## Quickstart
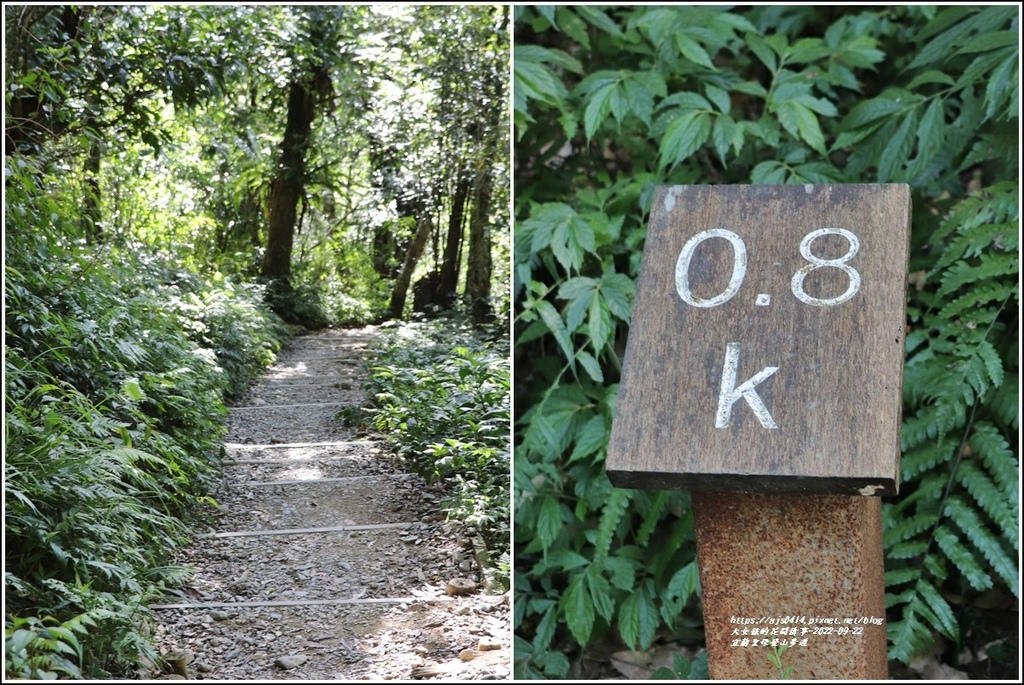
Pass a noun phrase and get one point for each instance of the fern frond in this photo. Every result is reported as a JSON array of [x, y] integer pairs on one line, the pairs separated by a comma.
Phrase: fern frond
[[901, 576], [972, 242], [909, 527], [989, 266], [932, 422], [939, 612], [992, 502], [975, 373], [611, 516], [962, 558], [928, 493], [908, 549], [993, 364], [936, 566], [651, 517], [1005, 402], [926, 458], [908, 636], [989, 444], [975, 298], [972, 526]]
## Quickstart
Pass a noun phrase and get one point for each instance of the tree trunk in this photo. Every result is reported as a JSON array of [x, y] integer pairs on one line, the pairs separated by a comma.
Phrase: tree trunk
[[419, 241], [290, 179], [449, 277], [478, 277]]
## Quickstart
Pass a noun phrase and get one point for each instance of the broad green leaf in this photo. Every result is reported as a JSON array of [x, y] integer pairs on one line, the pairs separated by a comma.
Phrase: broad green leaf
[[639, 100], [860, 53], [621, 572], [990, 41], [1001, 85], [764, 53], [807, 50], [553, 320], [579, 609], [693, 51], [591, 438], [768, 173], [591, 366], [600, 323], [549, 521], [982, 65], [897, 151], [618, 291], [579, 291], [816, 172], [536, 53], [569, 236], [819, 105], [546, 629], [564, 560], [725, 134], [930, 76], [931, 130], [598, 108], [885, 105], [548, 12], [638, 619], [600, 593], [657, 22], [802, 123], [684, 136], [538, 82], [719, 97], [598, 18], [945, 19], [686, 100]]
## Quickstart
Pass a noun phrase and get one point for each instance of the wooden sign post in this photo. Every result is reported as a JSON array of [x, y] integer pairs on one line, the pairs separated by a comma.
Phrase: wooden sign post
[[764, 372]]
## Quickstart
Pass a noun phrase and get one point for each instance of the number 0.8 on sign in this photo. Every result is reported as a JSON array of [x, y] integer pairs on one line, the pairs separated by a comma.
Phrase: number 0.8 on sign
[[799, 290]]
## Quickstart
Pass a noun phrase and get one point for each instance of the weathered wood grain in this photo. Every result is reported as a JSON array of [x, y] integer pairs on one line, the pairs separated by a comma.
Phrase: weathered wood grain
[[836, 394]]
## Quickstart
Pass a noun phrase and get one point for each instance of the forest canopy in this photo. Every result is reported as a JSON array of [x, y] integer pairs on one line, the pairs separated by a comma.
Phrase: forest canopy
[[342, 153]]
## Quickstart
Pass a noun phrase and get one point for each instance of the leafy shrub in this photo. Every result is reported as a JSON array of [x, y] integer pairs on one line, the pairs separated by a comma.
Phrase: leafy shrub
[[441, 397], [38, 649], [116, 368], [610, 102]]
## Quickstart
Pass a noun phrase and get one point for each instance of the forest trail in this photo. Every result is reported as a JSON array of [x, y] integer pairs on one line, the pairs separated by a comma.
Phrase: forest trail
[[327, 561]]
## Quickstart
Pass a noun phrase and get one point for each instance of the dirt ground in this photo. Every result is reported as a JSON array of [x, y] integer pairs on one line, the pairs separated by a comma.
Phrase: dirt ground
[[324, 559]]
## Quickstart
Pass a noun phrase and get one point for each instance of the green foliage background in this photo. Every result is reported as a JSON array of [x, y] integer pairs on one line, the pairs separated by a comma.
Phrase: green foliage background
[[610, 102], [439, 394]]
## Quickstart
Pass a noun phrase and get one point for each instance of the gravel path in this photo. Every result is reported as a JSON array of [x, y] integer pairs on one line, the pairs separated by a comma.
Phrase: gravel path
[[325, 560]]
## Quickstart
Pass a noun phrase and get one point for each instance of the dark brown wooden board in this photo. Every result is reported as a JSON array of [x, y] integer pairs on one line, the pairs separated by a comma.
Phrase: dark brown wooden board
[[835, 398]]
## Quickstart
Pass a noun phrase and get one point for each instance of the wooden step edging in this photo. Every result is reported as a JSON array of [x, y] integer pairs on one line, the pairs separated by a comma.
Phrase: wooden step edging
[[312, 481], [304, 531], [296, 460], [301, 360], [289, 406], [299, 603], [295, 445]]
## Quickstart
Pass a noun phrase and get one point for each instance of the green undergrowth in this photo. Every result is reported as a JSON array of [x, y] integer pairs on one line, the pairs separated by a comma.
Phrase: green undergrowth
[[613, 101], [440, 395], [117, 365]]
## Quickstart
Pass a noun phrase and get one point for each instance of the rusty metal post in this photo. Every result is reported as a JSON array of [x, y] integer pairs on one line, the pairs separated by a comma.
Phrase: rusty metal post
[[803, 568]]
